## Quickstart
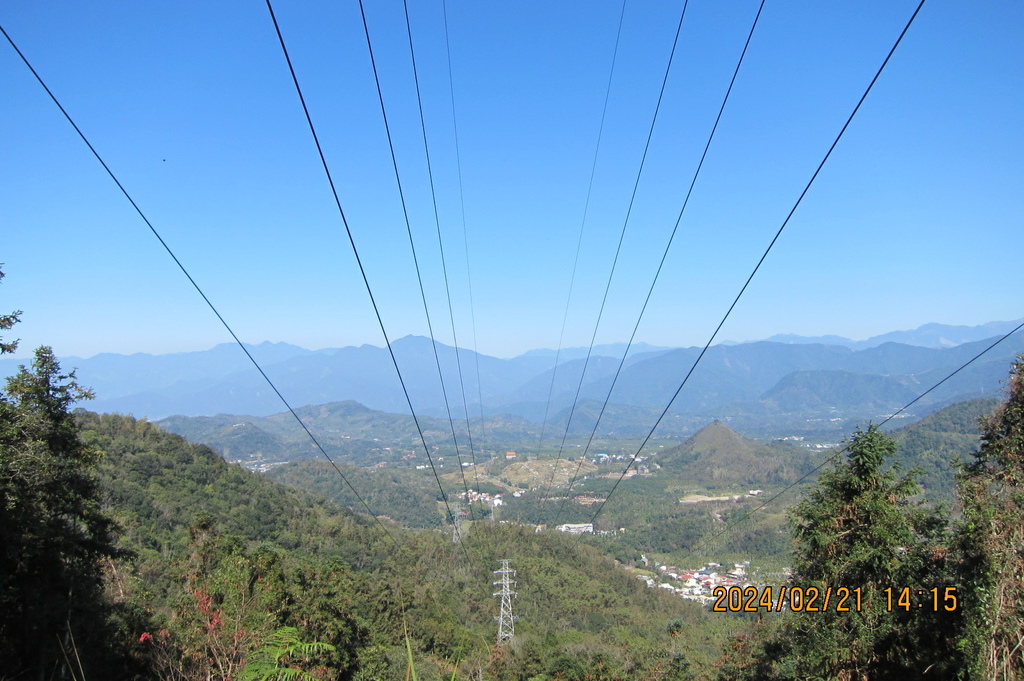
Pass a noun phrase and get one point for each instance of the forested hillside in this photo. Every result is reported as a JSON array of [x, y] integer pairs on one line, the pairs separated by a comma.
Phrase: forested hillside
[[214, 560], [131, 553], [718, 456], [934, 597], [348, 431], [182, 506], [408, 497], [937, 442]]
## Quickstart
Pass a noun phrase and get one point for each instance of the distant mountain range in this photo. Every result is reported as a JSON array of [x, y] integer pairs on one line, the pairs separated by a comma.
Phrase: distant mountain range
[[928, 336], [797, 387]]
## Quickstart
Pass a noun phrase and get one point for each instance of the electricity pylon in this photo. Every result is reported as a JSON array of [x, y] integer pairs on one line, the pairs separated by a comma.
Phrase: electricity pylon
[[506, 621]]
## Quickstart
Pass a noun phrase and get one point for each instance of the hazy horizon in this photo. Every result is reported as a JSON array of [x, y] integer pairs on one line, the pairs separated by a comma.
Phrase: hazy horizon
[[24, 352]]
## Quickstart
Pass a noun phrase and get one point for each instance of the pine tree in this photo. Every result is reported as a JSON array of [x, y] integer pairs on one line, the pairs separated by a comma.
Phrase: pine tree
[[858, 530], [990, 542], [52, 530], [6, 322]]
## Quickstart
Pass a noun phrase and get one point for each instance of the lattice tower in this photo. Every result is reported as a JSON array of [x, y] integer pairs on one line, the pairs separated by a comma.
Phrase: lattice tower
[[506, 621]]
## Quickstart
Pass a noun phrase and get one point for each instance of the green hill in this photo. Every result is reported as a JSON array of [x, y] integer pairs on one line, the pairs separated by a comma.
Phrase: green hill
[[406, 496], [933, 443], [157, 484], [719, 457]]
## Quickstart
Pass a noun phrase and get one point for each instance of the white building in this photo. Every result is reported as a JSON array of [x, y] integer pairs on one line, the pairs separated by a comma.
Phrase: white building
[[576, 528]]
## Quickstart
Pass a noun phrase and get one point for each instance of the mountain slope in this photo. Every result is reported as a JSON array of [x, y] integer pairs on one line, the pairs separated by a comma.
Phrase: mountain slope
[[405, 496], [158, 484], [934, 442], [718, 456], [225, 557], [348, 430], [815, 391]]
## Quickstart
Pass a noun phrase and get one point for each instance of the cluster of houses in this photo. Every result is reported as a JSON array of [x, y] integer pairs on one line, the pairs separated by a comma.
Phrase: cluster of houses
[[637, 469], [698, 585], [491, 500]]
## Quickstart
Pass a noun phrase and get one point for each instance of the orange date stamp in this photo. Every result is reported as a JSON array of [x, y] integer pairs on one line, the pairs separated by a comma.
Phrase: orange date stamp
[[829, 599], [795, 598]]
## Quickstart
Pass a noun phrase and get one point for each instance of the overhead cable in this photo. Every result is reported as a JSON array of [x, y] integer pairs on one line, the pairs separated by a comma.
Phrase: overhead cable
[[764, 255], [444, 268], [465, 244], [622, 234], [362, 271], [583, 221], [196, 286], [415, 260], [664, 256]]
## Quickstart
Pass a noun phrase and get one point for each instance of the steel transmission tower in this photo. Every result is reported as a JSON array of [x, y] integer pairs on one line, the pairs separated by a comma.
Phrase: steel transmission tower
[[506, 621]]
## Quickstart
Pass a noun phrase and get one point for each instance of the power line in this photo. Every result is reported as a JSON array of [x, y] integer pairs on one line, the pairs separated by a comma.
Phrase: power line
[[416, 264], [576, 259], [764, 255], [444, 268], [465, 244], [664, 256], [622, 234], [362, 270], [747, 516], [195, 285], [583, 222]]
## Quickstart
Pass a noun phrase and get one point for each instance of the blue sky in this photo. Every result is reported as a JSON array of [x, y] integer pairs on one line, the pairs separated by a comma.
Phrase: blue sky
[[916, 218]]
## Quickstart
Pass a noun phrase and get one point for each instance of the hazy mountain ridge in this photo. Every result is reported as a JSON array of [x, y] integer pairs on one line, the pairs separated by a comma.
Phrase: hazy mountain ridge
[[765, 388], [807, 391], [605, 350], [757, 382], [760, 387], [928, 335], [113, 375]]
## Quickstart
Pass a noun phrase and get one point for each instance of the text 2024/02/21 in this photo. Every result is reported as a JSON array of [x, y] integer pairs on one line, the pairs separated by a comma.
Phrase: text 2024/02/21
[[838, 599]]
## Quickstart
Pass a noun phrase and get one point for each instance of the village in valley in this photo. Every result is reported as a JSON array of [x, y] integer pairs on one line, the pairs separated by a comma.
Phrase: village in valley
[[697, 584]]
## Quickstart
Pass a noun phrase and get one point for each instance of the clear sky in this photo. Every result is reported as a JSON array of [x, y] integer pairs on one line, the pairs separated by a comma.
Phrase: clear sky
[[916, 218]]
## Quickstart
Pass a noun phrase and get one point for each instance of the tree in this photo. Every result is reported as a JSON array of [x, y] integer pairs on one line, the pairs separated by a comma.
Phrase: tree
[[52, 530], [990, 542], [228, 605], [6, 322], [859, 530]]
